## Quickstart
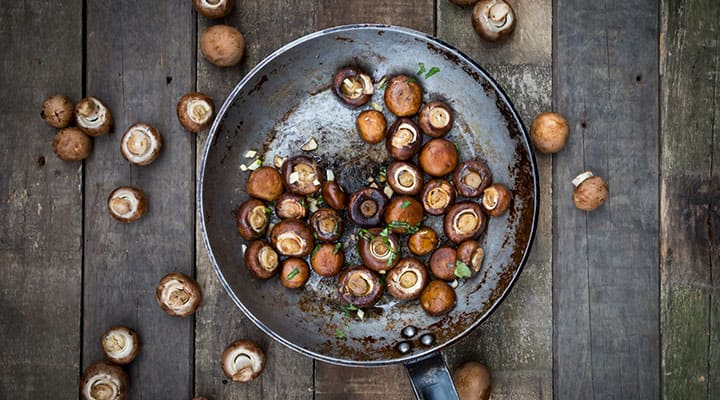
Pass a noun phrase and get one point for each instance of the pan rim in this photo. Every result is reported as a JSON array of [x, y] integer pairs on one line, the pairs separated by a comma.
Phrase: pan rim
[[229, 100]]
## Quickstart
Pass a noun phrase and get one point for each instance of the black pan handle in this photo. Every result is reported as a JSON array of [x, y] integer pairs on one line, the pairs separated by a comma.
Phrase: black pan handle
[[431, 379]]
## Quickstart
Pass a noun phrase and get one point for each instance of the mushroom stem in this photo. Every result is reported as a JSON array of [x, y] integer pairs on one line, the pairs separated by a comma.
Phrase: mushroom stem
[[582, 178]]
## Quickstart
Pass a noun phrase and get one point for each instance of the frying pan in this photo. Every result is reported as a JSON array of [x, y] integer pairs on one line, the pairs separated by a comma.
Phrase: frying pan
[[286, 100]]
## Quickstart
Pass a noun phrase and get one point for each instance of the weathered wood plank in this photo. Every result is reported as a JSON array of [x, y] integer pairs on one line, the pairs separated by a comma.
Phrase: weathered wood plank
[[516, 342], [690, 209], [219, 322], [140, 60], [605, 277], [41, 204]]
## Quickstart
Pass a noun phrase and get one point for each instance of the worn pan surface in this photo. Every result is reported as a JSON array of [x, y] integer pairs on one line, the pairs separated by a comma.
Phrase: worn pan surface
[[285, 101]]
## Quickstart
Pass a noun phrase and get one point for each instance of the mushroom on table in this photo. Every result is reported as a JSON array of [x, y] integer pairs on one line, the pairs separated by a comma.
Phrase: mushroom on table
[[590, 191], [178, 294], [141, 144], [104, 381], [93, 117], [472, 381], [243, 361], [195, 111], [549, 132], [222, 45], [213, 9], [57, 111], [127, 204], [71, 144], [120, 344], [493, 20]]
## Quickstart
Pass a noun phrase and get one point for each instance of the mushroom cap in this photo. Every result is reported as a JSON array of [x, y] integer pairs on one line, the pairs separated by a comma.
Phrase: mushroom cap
[[438, 298], [334, 195], [423, 241], [294, 273], [261, 259], [407, 280], [243, 361], [213, 9], [438, 157], [178, 294], [463, 221], [496, 199], [141, 144], [404, 139], [404, 178], [93, 117], [360, 286], [435, 119], [353, 86], [327, 224], [292, 237], [471, 178], [120, 344], [104, 381], [71, 144], [404, 210], [493, 20], [290, 205], [590, 191], [195, 111], [472, 381], [443, 263], [127, 204], [367, 206], [265, 183], [403, 96], [302, 175], [222, 45], [252, 219], [549, 132], [327, 259], [57, 111], [437, 196], [470, 253], [372, 126], [379, 253]]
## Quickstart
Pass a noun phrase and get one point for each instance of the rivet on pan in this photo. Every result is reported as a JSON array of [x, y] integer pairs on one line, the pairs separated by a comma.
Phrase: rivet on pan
[[427, 339], [404, 347], [409, 331]]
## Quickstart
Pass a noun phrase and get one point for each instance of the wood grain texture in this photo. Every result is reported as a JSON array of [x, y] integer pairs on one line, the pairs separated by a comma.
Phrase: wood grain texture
[[219, 322], [690, 199], [140, 60], [516, 341], [605, 262], [40, 205]]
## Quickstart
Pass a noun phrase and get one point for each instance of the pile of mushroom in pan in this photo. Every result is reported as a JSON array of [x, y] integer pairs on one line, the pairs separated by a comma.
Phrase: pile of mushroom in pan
[[438, 184]]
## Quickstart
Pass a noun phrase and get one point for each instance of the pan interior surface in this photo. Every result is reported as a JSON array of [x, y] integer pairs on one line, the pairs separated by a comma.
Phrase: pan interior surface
[[286, 101]]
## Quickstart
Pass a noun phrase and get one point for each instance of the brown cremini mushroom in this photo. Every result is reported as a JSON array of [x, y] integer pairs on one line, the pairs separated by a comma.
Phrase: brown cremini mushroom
[[104, 381], [423, 241], [437, 196], [290, 205], [292, 237], [493, 20], [120, 344], [549, 132], [326, 224], [294, 273], [178, 294], [71, 144], [265, 183], [141, 144], [404, 214], [57, 111], [302, 175], [403, 140], [438, 298], [252, 219], [438, 157], [470, 253], [360, 286], [404, 178], [590, 191], [464, 221], [407, 280], [195, 111], [334, 195], [127, 204], [93, 117], [471, 178], [367, 206], [403, 96], [327, 259], [435, 119], [379, 253], [261, 259], [372, 126], [243, 361], [353, 86], [496, 199], [472, 381], [213, 9], [222, 45], [443, 263]]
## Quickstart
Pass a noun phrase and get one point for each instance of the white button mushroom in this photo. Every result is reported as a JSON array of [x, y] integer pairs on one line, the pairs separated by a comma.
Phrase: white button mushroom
[[590, 191], [93, 117], [243, 361], [104, 381], [120, 344], [141, 144], [127, 204], [178, 294]]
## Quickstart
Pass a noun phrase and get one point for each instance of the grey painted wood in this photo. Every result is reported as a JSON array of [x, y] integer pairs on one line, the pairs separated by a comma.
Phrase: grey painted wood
[[690, 199], [40, 204], [140, 60], [219, 322], [516, 342], [605, 263]]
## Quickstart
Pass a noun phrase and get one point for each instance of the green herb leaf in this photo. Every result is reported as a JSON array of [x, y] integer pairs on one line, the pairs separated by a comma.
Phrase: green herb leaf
[[338, 245], [433, 71], [462, 270], [422, 69], [405, 204], [339, 334], [292, 274], [315, 250], [320, 200], [268, 210], [347, 308], [383, 171], [410, 80], [366, 235]]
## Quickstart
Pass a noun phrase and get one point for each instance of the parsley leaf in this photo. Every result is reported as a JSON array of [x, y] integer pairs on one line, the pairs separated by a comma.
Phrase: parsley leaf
[[462, 270], [338, 245], [433, 71], [422, 69], [292, 274], [405, 204], [339, 333]]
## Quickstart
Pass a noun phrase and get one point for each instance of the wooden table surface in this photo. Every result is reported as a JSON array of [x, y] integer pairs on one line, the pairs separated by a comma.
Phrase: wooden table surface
[[619, 303]]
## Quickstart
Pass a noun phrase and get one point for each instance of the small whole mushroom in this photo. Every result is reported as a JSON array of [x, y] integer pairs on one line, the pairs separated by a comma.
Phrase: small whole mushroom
[[403, 96], [294, 273], [423, 241], [141, 144], [302, 175], [471, 178], [438, 157], [327, 259], [243, 361], [435, 119], [326, 224], [93, 117], [334, 195], [292, 237], [372, 126], [57, 111], [590, 191], [443, 263], [472, 381], [195, 111], [290, 205], [265, 183], [127, 204], [367, 206], [403, 140], [252, 219], [222, 45], [407, 280], [493, 20], [464, 221], [360, 286], [437, 196], [404, 178], [213, 9], [120, 344], [178, 294], [71, 144], [470, 253], [353, 86], [404, 214], [438, 298], [549, 132], [379, 253], [261, 259], [104, 381], [496, 199]]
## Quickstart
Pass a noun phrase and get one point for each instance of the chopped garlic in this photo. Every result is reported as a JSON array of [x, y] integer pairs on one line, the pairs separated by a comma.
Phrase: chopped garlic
[[454, 284], [244, 247], [316, 182], [361, 314], [255, 165], [376, 106], [310, 145], [294, 177], [250, 154], [278, 161], [388, 191], [373, 185], [243, 167], [330, 175]]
